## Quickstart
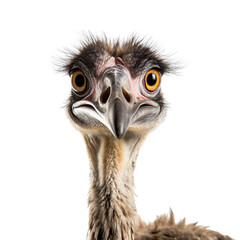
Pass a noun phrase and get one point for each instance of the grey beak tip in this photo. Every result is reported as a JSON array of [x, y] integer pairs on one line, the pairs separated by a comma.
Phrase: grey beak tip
[[119, 132]]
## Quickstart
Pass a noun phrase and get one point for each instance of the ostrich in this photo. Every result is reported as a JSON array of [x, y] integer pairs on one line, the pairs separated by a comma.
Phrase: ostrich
[[115, 101]]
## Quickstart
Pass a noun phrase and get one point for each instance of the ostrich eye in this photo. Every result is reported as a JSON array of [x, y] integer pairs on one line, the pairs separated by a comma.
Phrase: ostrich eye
[[79, 82], [152, 80]]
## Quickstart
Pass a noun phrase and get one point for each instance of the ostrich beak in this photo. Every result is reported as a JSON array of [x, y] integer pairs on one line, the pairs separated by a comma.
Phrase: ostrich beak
[[119, 103], [118, 118]]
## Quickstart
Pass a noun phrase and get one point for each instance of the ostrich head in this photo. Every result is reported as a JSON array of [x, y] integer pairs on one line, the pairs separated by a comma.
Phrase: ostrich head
[[116, 89], [115, 100]]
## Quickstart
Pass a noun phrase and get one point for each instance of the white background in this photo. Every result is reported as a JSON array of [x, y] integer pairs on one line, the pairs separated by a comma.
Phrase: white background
[[190, 163]]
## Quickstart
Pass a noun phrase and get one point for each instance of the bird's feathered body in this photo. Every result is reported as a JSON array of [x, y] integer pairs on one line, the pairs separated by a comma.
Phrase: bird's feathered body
[[115, 101]]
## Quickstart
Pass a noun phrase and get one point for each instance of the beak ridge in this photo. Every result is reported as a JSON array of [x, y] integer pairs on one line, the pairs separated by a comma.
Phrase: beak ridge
[[119, 118]]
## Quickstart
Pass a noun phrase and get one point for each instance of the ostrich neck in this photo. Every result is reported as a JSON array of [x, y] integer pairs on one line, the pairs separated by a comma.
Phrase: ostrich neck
[[112, 211]]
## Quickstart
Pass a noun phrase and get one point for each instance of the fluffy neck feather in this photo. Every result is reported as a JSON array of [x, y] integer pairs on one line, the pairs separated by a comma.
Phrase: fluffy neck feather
[[111, 198]]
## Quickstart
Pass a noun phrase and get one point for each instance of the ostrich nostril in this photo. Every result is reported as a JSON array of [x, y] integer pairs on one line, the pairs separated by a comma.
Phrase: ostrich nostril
[[105, 95], [126, 94]]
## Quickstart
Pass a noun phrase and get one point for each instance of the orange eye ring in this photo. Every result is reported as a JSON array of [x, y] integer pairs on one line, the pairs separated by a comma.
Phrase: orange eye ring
[[79, 82], [152, 80]]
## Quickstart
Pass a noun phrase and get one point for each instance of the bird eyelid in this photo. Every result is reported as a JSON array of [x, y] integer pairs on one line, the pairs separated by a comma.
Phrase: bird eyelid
[[75, 69], [153, 67]]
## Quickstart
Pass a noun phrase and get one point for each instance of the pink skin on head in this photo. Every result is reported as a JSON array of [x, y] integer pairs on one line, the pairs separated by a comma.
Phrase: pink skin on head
[[110, 62], [134, 82]]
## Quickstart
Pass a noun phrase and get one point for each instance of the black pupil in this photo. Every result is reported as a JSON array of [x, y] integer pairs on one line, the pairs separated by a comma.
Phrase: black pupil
[[151, 79], [79, 80]]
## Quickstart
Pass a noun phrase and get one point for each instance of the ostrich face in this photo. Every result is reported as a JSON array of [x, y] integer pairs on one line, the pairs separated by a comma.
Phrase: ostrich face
[[116, 87]]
